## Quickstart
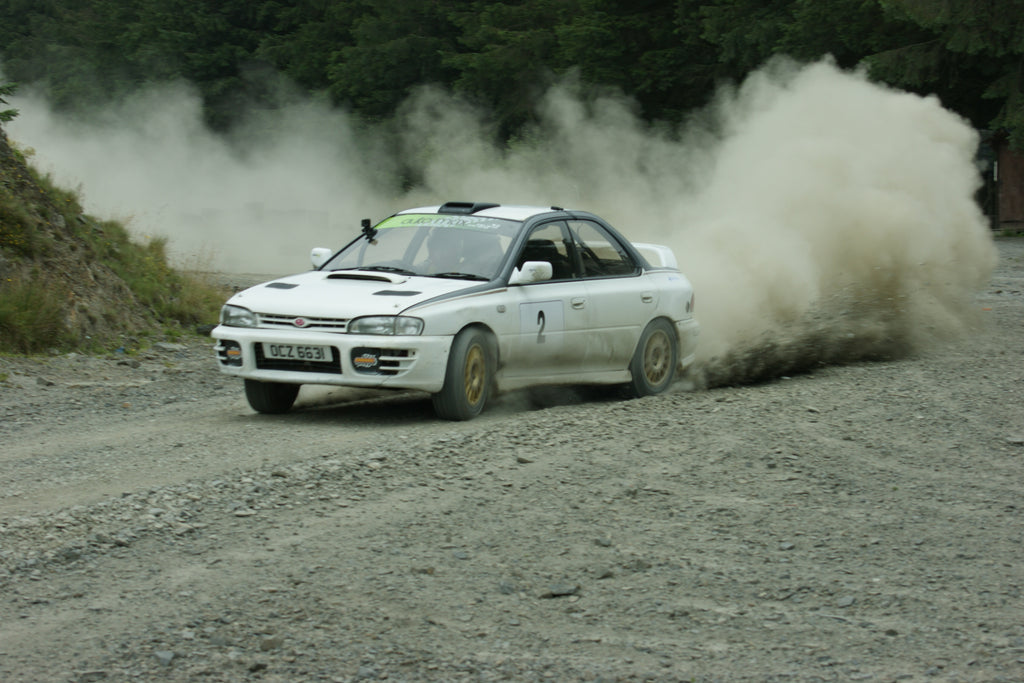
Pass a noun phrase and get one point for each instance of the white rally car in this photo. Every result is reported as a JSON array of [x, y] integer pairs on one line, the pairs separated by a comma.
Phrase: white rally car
[[460, 300]]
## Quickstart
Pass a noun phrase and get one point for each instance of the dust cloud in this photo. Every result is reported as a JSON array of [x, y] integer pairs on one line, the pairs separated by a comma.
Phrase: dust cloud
[[821, 218], [838, 223], [255, 202]]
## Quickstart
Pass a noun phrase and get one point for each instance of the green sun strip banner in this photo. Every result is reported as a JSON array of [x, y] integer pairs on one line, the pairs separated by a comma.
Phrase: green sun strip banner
[[446, 221]]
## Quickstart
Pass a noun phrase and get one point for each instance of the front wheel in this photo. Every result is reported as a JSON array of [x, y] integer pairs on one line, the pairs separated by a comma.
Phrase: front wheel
[[270, 397], [654, 362], [469, 377]]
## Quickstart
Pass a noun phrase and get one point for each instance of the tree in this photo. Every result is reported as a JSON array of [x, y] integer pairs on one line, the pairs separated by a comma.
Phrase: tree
[[302, 37], [211, 43], [650, 49], [394, 46], [370, 54], [505, 54], [847, 30], [745, 32], [6, 91], [971, 53]]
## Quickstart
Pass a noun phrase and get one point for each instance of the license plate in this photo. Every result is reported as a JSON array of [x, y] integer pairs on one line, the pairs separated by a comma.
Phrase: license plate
[[296, 352]]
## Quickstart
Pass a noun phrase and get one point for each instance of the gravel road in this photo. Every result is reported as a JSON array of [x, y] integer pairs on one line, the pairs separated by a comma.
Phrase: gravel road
[[861, 522]]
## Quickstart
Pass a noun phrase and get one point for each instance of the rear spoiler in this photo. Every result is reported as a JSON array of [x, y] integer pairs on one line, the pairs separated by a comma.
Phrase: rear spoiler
[[657, 255]]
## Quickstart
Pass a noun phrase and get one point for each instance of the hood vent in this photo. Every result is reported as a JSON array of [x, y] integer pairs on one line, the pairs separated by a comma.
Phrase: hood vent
[[396, 292], [466, 208], [346, 275], [281, 285]]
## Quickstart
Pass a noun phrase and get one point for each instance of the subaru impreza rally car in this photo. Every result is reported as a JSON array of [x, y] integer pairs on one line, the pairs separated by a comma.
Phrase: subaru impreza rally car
[[461, 300]]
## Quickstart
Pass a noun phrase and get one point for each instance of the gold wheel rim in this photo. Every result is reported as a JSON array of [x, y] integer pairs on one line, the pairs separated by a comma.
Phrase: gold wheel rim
[[657, 358], [475, 374]]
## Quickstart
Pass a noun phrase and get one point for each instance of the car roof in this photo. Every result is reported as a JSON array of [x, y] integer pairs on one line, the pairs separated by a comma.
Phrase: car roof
[[507, 211]]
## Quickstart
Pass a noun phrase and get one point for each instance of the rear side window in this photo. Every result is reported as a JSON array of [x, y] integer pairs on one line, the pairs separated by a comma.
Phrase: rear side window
[[600, 254]]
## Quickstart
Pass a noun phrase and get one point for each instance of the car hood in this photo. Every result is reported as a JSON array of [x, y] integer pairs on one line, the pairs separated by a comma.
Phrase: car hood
[[345, 293]]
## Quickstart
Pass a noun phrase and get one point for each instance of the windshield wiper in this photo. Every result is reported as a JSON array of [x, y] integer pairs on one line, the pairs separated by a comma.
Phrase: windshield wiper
[[460, 276]]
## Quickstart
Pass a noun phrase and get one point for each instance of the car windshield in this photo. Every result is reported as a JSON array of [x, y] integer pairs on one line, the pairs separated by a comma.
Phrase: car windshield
[[435, 245]]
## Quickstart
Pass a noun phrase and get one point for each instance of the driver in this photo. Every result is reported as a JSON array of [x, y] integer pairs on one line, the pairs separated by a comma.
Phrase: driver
[[462, 251], [444, 252]]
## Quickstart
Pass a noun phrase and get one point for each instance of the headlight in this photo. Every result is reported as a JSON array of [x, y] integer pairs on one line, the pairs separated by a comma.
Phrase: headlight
[[236, 316], [386, 324]]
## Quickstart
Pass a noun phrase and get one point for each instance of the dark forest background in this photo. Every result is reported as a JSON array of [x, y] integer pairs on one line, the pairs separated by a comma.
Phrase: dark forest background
[[366, 55]]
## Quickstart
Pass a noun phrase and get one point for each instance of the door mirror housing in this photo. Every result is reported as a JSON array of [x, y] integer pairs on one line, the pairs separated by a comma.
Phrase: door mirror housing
[[319, 256], [531, 271]]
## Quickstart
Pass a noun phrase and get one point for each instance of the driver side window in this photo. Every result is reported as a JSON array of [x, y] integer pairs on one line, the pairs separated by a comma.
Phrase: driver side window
[[548, 243]]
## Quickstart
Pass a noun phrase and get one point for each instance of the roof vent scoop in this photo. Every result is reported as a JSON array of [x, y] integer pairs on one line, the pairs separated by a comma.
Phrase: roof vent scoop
[[465, 208]]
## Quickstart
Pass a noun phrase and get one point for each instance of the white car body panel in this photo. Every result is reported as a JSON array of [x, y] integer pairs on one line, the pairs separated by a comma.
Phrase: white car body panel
[[342, 294]]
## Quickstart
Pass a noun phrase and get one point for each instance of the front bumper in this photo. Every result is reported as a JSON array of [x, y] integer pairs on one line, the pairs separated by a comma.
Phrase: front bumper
[[399, 362]]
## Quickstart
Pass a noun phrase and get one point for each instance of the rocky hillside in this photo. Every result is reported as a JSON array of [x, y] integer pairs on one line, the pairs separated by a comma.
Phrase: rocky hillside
[[70, 280]]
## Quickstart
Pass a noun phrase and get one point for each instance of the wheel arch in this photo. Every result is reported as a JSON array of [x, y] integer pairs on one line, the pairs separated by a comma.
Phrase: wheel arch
[[667, 319], [487, 329]]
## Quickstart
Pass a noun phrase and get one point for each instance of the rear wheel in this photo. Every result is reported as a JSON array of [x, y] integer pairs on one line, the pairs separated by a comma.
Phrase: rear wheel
[[654, 362], [270, 397], [469, 377]]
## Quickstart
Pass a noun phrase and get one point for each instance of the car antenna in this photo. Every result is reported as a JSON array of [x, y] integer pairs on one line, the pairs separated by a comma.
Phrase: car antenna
[[369, 231]]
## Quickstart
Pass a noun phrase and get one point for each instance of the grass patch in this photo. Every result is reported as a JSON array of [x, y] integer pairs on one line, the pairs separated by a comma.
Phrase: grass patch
[[171, 295], [32, 314], [18, 228], [58, 265], [21, 230]]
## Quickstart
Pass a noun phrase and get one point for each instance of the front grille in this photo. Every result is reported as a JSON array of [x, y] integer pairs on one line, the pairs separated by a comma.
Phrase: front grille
[[287, 322], [332, 366]]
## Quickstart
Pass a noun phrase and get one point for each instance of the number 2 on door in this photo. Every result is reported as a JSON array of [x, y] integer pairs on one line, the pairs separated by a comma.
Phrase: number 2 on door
[[542, 322]]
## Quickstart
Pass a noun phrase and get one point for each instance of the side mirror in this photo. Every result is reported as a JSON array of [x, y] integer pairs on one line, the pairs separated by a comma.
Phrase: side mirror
[[319, 256], [531, 271]]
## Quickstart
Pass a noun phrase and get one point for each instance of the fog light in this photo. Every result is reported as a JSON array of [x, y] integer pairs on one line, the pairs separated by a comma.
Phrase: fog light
[[230, 352], [366, 360]]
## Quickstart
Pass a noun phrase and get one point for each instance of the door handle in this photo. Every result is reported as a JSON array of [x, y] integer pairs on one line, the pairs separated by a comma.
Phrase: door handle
[[647, 297], [578, 302]]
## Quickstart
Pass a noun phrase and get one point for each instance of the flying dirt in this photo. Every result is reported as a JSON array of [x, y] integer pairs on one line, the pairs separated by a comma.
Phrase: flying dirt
[[821, 217], [838, 223]]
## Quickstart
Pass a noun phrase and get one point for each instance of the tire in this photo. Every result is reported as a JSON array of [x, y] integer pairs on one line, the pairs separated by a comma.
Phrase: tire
[[469, 378], [270, 397], [654, 362]]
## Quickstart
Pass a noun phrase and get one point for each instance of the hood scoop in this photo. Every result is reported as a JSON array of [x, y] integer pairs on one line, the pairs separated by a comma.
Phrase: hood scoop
[[373, 277]]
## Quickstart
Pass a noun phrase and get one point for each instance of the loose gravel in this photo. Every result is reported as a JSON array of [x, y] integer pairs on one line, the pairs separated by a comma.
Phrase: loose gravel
[[860, 522]]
